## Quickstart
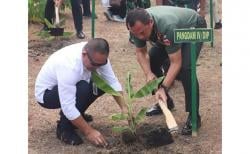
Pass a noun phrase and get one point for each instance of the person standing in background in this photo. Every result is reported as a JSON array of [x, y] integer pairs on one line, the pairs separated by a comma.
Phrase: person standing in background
[[77, 13]]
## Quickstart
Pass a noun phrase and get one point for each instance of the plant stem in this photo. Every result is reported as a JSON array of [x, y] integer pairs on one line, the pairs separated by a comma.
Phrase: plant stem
[[130, 116]]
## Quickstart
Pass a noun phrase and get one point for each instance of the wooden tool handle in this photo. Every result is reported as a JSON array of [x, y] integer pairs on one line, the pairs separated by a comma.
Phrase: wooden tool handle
[[57, 15], [171, 123]]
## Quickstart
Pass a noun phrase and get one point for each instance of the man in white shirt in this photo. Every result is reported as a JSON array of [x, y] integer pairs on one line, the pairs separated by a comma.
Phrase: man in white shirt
[[64, 82]]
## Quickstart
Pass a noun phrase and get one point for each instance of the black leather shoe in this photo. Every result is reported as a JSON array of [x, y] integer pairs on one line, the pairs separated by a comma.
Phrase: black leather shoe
[[108, 15], [87, 117], [156, 109], [80, 35], [45, 28], [67, 135], [187, 128], [218, 25], [170, 104]]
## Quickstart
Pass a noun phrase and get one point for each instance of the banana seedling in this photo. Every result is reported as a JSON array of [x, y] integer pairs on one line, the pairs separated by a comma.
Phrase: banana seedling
[[133, 119]]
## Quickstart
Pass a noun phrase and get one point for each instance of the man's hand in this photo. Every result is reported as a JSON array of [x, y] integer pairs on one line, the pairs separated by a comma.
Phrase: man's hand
[[92, 135], [150, 77], [160, 95], [202, 13], [58, 3], [96, 138]]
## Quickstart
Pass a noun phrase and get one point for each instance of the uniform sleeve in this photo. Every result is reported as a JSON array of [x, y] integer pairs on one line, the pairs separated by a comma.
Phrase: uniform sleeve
[[108, 74], [67, 79], [138, 43], [170, 46]]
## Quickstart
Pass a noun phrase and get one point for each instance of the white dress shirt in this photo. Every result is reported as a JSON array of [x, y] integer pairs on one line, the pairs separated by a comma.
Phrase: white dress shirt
[[65, 68]]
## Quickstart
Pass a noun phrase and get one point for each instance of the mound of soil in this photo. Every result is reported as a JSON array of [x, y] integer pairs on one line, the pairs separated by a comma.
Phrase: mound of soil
[[156, 137], [149, 136], [129, 137]]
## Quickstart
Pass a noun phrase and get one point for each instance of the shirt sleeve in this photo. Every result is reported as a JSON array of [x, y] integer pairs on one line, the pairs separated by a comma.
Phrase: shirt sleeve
[[108, 74], [170, 46], [67, 79]]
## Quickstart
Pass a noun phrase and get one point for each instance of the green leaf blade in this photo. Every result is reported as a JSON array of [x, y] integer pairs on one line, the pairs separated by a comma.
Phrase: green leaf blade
[[48, 23], [67, 34], [148, 88], [119, 117], [103, 85], [140, 115], [120, 129], [129, 88]]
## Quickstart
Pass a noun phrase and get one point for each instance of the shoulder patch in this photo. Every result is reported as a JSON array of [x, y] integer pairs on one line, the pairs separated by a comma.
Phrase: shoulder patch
[[163, 39], [166, 41]]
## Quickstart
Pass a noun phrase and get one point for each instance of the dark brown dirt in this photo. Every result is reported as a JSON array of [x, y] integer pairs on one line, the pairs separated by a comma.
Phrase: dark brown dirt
[[42, 122], [128, 137], [152, 136]]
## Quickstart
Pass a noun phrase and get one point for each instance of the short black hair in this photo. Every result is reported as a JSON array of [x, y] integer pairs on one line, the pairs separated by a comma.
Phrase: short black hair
[[99, 45], [138, 14]]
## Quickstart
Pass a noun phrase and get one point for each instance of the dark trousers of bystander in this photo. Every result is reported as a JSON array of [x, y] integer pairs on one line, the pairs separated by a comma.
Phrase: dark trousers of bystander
[[119, 10], [77, 11]]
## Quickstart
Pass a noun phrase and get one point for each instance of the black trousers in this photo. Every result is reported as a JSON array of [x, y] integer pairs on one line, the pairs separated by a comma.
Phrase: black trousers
[[159, 61], [121, 11], [77, 11], [84, 98]]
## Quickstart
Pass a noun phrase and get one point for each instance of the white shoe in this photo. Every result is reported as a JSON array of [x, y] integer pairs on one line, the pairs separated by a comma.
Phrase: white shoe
[[108, 15], [118, 18]]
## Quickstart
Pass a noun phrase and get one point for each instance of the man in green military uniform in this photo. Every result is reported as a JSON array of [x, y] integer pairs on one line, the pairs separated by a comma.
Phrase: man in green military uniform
[[156, 25]]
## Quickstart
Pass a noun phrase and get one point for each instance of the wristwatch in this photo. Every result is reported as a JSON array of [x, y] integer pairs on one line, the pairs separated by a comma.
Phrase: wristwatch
[[166, 88]]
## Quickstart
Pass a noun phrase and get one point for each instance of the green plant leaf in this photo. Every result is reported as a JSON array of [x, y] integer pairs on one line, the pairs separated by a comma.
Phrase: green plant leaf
[[62, 22], [129, 88], [140, 116], [36, 11], [103, 85], [48, 23], [67, 34], [120, 129], [119, 116], [43, 34], [148, 88]]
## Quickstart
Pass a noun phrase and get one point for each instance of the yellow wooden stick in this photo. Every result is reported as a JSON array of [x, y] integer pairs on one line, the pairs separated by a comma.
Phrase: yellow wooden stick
[[171, 123]]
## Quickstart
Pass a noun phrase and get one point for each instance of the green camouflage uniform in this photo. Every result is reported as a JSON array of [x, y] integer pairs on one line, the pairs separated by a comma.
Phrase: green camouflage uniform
[[166, 19]]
